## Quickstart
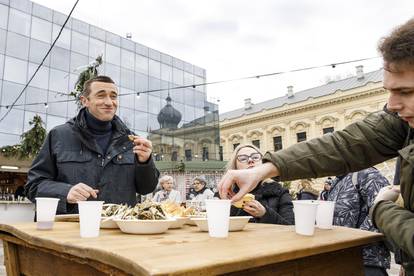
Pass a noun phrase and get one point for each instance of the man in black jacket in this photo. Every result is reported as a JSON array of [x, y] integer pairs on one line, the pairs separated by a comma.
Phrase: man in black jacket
[[91, 157]]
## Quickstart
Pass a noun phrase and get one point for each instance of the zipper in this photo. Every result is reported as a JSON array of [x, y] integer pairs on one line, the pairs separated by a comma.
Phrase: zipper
[[103, 161]]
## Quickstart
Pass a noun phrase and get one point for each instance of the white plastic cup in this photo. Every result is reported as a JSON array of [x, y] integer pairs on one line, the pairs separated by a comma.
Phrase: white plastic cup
[[45, 212], [90, 218], [305, 215], [325, 214], [218, 217]]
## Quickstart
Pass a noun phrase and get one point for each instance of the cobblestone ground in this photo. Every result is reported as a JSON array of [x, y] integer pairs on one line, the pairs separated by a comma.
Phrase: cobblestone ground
[[392, 272]]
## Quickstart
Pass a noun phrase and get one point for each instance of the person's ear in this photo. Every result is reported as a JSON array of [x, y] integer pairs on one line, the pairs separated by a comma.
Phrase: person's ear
[[84, 101]]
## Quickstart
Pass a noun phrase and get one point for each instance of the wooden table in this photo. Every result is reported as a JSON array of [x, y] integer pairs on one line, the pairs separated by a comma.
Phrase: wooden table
[[261, 249]]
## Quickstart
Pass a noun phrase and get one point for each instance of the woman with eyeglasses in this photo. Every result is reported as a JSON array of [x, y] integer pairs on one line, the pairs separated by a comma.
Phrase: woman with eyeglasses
[[200, 192], [272, 203]]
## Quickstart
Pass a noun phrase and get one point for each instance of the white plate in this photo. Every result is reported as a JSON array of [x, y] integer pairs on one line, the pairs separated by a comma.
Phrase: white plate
[[108, 223], [191, 222], [144, 226], [236, 223], [179, 222]]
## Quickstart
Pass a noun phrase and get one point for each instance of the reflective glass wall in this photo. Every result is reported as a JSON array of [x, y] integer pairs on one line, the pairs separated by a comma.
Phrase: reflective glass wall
[[26, 32]]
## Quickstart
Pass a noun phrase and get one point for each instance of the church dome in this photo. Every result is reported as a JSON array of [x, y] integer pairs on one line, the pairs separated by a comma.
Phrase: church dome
[[169, 117]]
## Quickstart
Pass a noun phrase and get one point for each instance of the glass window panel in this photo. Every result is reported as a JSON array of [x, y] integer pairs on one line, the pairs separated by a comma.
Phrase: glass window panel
[[38, 51], [198, 80], [128, 44], [15, 70], [188, 79], [72, 109], [113, 54], [113, 39], [113, 72], [154, 104], [4, 16], [35, 95], [154, 84], [73, 78], [60, 18], [141, 82], [199, 113], [9, 139], [189, 96], [10, 92], [55, 107], [127, 78], [1, 66], [177, 95], [58, 81], [60, 58], [3, 35], [154, 54], [199, 99], [127, 59], [19, 22], [153, 123], [17, 45], [53, 121], [154, 68], [126, 100], [42, 12], [141, 103], [13, 122], [165, 86], [22, 5], [64, 38], [97, 32], [41, 29], [28, 116], [127, 116], [179, 107], [188, 67], [80, 26], [78, 62], [79, 43], [198, 71], [166, 72], [178, 76], [141, 64], [141, 121], [178, 63], [141, 49], [189, 113], [166, 59], [41, 80], [96, 48]]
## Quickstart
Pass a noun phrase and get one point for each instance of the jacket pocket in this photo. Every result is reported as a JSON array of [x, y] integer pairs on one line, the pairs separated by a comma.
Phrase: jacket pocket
[[124, 159], [74, 167]]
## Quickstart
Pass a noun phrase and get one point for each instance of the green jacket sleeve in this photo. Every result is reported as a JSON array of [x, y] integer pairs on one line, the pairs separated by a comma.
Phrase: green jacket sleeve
[[396, 223], [360, 145]]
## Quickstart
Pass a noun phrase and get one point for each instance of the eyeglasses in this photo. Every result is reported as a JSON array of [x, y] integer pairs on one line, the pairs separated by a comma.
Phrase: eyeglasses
[[243, 158]]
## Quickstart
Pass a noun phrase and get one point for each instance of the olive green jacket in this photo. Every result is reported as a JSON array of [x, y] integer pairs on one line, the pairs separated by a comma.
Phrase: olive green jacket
[[380, 136]]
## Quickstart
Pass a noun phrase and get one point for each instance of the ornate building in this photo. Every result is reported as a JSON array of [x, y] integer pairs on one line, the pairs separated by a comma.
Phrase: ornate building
[[284, 121]]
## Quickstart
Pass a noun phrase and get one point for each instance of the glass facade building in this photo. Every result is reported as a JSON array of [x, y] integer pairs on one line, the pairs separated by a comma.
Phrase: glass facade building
[[27, 31]]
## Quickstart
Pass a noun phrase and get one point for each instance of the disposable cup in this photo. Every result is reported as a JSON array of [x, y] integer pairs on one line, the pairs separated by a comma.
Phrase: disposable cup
[[324, 214], [218, 216], [89, 218], [305, 215], [45, 212]]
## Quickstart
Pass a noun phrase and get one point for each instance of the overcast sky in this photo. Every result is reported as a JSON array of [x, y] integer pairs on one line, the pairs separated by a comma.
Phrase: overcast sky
[[237, 38]]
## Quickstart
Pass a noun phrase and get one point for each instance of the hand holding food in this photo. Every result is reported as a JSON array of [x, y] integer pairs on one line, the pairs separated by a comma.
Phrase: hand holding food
[[254, 208], [81, 192], [241, 202], [142, 148]]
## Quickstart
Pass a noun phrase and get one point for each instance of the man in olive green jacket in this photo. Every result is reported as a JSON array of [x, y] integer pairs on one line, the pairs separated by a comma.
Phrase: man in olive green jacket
[[380, 136]]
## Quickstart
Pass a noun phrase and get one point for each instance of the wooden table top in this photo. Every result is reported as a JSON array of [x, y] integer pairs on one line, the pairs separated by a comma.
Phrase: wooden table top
[[189, 251]]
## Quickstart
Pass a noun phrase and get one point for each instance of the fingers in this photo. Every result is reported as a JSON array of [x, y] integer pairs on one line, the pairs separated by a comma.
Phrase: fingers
[[81, 192], [240, 194], [224, 185], [139, 141]]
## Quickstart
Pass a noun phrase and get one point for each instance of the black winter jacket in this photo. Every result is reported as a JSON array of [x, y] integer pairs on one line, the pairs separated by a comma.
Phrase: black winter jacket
[[277, 202], [70, 155]]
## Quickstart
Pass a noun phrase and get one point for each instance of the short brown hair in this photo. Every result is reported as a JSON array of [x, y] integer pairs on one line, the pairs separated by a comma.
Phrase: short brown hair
[[87, 86], [398, 48]]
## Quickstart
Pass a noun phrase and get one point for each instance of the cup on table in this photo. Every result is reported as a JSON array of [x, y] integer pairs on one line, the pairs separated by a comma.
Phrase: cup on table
[[218, 217], [305, 216], [89, 218], [45, 212], [325, 214]]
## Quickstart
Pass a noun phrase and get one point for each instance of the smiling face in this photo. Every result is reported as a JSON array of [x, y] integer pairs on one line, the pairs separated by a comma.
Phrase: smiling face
[[198, 185], [400, 84], [102, 101], [248, 158], [167, 185]]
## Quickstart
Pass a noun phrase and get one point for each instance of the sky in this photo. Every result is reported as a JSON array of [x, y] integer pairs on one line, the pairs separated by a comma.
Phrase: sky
[[240, 38]]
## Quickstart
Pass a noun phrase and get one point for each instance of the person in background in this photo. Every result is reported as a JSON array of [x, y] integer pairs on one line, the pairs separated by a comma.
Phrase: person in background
[[19, 181], [354, 194], [272, 203], [167, 192], [199, 192], [307, 192], [326, 188]]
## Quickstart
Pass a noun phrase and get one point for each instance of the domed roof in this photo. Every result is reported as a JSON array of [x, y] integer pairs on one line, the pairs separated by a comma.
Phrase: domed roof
[[169, 117]]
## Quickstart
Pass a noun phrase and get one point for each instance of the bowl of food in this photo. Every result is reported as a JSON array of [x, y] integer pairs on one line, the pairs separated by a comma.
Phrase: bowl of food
[[143, 226], [179, 222], [201, 215], [109, 212], [235, 223]]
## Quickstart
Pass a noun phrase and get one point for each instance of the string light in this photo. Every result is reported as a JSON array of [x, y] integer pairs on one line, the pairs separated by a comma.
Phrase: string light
[[46, 105], [138, 95]]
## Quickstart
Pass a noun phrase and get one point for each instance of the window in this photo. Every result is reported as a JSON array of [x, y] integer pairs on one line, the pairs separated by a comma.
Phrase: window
[[17, 46], [205, 153], [60, 59], [80, 43], [19, 22], [41, 30], [154, 69], [301, 136], [141, 64], [277, 143], [127, 59], [113, 54], [96, 48], [64, 38], [235, 145], [15, 70], [174, 156], [221, 153], [256, 143], [327, 130], [188, 156]]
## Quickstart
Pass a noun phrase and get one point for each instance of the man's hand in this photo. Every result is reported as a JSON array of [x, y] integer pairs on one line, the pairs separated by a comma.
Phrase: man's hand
[[254, 208], [80, 192], [142, 148], [388, 193], [246, 180]]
